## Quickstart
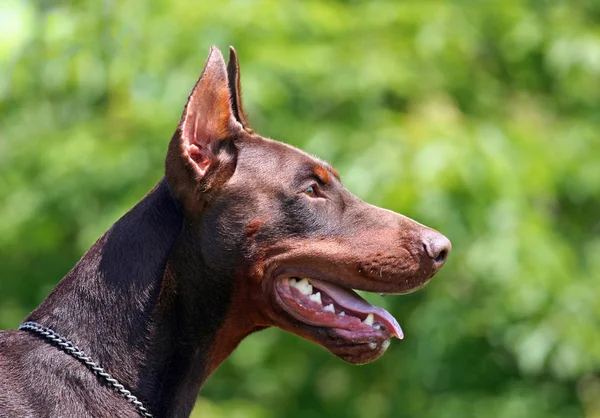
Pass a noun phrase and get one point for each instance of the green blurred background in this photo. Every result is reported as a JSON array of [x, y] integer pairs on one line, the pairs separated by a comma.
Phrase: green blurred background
[[481, 119]]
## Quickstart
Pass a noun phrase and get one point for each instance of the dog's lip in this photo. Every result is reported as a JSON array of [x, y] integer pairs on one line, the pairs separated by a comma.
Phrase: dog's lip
[[343, 297], [357, 282]]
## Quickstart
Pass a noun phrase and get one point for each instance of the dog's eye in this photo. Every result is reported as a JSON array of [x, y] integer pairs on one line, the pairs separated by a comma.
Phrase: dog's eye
[[311, 191]]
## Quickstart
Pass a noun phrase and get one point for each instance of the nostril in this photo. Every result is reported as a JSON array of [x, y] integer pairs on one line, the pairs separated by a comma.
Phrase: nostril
[[441, 257], [437, 248]]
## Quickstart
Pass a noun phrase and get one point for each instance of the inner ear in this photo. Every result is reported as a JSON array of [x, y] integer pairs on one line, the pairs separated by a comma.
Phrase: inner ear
[[208, 116], [235, 90], [201, 153], [199, 158]]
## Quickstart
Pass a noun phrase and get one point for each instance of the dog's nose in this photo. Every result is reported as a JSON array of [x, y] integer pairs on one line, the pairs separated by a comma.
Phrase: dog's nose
[[437, 247]]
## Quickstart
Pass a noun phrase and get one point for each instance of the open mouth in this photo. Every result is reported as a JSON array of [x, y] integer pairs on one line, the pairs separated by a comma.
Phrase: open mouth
[[324, 304]]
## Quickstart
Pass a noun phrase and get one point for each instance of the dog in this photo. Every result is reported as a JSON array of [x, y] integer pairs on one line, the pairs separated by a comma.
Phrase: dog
[[242, 233]]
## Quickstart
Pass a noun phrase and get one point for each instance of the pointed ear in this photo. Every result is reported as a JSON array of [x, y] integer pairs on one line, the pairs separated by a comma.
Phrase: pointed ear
[[207, 119], [233, 72]]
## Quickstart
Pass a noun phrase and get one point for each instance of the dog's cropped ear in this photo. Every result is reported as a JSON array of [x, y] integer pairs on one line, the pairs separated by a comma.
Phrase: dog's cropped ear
[[201, 153], [233, 71]]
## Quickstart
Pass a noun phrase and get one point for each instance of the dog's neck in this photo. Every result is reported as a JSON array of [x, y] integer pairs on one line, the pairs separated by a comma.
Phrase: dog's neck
[[143, 305]]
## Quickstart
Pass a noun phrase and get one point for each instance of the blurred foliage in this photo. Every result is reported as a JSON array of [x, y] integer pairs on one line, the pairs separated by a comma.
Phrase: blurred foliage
[[481, 119]]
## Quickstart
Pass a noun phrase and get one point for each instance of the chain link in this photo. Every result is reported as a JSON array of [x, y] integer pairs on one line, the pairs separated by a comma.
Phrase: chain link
[[68, 347]]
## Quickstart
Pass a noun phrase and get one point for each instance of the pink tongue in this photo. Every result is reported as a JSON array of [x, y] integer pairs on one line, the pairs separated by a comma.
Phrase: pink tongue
[[353, 302]]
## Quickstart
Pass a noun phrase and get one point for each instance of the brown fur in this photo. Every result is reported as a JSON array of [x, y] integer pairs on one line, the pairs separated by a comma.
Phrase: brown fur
[[172, 288]]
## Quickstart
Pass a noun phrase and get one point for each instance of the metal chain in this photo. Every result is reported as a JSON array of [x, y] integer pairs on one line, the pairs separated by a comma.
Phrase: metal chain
[[68, 347]]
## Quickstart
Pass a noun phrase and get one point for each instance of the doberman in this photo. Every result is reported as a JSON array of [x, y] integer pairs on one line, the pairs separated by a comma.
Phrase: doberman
[[242, 233]]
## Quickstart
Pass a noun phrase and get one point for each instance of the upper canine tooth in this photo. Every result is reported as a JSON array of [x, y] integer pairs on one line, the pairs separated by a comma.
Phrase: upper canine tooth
[[316, 298], [329, 308], [369, 320], [303, 286]]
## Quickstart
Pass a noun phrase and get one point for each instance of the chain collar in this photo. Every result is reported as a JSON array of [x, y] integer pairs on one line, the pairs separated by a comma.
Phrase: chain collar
[[69, 348]]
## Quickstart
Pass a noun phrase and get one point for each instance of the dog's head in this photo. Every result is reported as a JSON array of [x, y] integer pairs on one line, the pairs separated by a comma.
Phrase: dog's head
[[279, 224]]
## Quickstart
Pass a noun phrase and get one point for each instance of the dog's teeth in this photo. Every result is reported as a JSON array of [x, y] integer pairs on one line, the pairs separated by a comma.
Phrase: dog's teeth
[[378, 326], [342, 313], [329, 308], [372, 346], [369, 320], [303, 286], [316, 298], [293, 282]]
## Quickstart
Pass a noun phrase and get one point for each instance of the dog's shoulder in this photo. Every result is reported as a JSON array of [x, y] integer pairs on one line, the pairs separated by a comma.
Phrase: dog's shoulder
[[15, 346], [38, 380]]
